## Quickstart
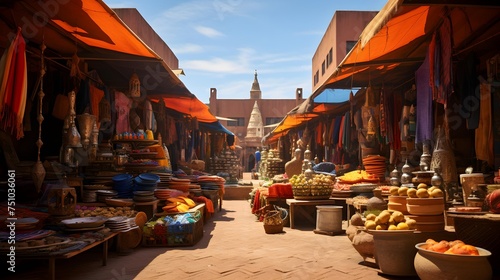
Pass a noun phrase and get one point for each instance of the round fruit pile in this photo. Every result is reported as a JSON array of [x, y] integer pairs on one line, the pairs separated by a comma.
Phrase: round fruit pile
[[318, 185], [456, 247], [422, 191], [387, 221]]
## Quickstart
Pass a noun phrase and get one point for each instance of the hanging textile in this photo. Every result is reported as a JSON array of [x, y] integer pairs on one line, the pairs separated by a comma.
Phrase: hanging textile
[[319, 134], [341, 132], [440, 64], [96, 96], [122, 105], [5, 63], [336, 131], [161, 120], [424, 103], [467, 82], [171, 129], [383, 116], [484, 133], [346, 138], [149, 117], [397, 104], [14, 86]]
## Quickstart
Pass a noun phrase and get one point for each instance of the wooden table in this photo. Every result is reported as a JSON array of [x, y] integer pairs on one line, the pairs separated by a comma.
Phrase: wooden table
[[481, 231], [52, 258], [296, 206]]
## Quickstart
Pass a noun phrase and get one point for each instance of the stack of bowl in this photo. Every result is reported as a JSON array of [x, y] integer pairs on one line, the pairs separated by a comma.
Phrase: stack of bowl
[[144, 196], [123, 185], [397, 203], [102, 195], [427, 212], [146, 182]]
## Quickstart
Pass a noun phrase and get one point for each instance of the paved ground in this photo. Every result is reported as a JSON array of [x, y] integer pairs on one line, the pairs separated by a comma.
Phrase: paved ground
[[234, 246]]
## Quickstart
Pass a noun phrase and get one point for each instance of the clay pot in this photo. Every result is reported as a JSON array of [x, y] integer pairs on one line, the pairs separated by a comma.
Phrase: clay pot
[[431, 265], [395, 251]]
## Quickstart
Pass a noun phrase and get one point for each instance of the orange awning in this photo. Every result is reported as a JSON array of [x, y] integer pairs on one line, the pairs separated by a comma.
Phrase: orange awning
[[309, 111], [189, 106], [395, 42], [90, 29]]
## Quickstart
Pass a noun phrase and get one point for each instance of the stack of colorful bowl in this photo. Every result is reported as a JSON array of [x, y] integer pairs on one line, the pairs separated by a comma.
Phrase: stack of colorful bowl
[[146, 182], [123, 185]]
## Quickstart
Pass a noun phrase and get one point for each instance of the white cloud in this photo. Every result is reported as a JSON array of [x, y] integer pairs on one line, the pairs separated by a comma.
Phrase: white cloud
[[188, 48], [208, 31], [238, 65]]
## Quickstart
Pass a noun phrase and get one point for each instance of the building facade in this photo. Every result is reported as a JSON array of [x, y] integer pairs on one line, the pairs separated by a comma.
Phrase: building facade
[[340, 36], [252, 118]]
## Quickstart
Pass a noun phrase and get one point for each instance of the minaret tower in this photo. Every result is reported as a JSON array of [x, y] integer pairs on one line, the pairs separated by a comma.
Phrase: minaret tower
[[255, 92]]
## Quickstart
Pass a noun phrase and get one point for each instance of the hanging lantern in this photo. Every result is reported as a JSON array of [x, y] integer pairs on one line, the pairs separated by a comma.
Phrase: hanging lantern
[[370, 134], [134, 86]]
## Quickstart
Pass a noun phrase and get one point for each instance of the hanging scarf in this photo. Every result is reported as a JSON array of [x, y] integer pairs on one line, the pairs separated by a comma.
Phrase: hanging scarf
[[14, 87]]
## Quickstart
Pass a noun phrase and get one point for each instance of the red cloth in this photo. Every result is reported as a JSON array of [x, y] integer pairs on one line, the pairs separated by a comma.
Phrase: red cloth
[[16, 89], [256, 202], [209, 205]]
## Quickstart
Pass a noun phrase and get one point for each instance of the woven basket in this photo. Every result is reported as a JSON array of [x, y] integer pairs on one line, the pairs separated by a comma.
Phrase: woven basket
[[273, 223]]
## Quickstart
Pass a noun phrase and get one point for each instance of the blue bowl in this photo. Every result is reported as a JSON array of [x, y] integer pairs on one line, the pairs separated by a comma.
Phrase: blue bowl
[[121, 177], [149, 177], [139, 181]]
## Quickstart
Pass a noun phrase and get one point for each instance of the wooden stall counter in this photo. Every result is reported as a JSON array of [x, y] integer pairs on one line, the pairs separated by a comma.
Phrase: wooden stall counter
[[52, 257]]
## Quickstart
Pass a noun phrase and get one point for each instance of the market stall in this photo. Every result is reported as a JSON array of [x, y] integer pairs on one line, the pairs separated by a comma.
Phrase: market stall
[[79, 101]]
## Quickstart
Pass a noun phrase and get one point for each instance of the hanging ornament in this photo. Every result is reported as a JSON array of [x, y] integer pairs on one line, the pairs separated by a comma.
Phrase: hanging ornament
[[38, 173]]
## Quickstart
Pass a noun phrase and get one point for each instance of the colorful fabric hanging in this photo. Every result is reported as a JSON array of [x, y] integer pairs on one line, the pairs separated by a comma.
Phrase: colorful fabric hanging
[[122, 105], [484, 133], [96, 95], [424, 103], [14, 86]]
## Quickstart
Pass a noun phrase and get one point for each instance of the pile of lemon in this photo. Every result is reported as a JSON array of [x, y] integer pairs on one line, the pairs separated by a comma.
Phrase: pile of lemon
[[422, 191], [389, 221]]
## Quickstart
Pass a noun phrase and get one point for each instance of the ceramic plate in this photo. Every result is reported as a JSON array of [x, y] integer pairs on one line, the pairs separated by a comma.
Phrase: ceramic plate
[[87, 222], [117, 219], [84, 229]]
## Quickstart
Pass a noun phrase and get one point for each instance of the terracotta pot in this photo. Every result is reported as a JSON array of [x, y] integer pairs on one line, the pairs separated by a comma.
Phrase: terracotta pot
[[395, 251], [431, 265]]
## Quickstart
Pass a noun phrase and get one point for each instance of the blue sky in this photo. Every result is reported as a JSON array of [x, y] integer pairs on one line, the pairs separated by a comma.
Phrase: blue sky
[[220, 43]]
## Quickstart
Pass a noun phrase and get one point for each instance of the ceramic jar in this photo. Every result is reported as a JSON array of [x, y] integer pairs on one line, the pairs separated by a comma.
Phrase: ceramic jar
[[376, 202]]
